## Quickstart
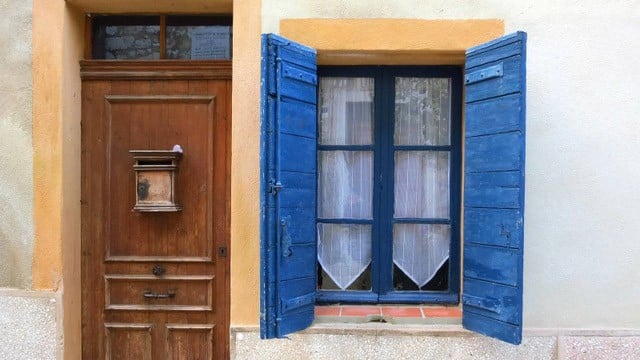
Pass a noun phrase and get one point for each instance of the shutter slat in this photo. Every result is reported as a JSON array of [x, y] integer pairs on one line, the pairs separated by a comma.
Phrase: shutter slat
[[292, 114], [500, 227], [300, 153], [486, 114], [494, 188], [503, 307], [494, 49], [495, 264], [494, 152], [489, 326], [507, 83], [288, 187]]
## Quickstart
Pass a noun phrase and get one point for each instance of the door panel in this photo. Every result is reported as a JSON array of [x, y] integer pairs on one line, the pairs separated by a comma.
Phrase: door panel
[[154, 284], [159, 122]]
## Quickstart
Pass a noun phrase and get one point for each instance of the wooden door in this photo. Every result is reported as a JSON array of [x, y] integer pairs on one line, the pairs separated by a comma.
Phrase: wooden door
[[155, 285]]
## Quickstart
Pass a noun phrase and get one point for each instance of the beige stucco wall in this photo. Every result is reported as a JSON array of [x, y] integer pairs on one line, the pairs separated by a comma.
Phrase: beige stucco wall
[[16, 165], [581, 222]]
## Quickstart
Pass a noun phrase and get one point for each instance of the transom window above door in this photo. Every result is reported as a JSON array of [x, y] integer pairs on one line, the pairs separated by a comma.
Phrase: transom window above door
[[388, 184], [153, 37]]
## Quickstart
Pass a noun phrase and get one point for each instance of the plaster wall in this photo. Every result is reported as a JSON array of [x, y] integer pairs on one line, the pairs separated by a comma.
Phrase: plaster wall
[[581, 248], [16, 154], [29, 330]]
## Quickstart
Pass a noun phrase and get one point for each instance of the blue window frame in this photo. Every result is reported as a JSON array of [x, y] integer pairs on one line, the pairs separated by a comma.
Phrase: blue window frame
[[494, 178], [381, 277]]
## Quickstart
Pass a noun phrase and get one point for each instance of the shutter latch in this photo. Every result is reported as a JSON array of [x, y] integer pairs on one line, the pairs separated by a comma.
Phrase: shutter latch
[[275, 186], [285, 238]]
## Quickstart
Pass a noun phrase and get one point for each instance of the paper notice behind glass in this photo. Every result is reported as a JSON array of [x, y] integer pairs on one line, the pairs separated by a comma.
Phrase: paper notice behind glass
[[210, 42]]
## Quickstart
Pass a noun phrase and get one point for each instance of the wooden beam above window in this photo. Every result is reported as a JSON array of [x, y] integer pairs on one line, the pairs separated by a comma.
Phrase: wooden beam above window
[[155, 6]]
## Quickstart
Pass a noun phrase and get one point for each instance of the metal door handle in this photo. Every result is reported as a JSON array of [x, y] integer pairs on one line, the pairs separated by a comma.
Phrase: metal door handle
[[150, 295]]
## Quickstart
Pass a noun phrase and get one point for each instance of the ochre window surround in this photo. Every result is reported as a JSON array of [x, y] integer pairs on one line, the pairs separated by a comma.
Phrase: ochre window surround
[[376, 41]]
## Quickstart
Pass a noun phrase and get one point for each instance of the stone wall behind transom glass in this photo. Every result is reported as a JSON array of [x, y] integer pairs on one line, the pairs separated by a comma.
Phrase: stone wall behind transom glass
[[132, 42]]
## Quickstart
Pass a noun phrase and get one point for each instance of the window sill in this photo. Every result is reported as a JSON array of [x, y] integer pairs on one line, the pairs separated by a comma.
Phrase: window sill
[[414, 315]]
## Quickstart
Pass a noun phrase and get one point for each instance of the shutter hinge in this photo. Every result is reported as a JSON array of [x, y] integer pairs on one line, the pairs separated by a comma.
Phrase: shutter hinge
[[484, 74], [274, 186]]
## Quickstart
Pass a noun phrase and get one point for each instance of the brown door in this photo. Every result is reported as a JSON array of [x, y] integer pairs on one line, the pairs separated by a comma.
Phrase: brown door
[[155, 285]]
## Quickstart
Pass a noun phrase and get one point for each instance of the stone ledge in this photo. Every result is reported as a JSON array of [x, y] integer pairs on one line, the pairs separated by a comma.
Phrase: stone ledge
[[599, 347], [381, 345], [29, 324], [377, 328], [382, 341], [12, 292], [374, 329]]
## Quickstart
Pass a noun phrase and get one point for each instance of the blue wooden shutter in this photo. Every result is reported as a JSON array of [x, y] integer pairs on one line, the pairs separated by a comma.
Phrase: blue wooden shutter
[[288, 187], [494, 187]]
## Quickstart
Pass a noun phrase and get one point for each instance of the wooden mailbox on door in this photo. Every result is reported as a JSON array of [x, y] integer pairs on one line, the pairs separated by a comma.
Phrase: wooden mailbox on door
[[155, 172]]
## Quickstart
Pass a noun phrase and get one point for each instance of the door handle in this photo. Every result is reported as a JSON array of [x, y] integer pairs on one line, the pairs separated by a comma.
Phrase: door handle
[[151, 295]]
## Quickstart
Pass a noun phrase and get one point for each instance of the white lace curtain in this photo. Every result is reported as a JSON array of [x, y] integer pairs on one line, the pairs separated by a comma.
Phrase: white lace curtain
[[421, 182], [345, 177], [421, 178]]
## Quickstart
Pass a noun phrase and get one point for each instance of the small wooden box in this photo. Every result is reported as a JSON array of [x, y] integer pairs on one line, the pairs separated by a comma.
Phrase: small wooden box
[[155, 180]]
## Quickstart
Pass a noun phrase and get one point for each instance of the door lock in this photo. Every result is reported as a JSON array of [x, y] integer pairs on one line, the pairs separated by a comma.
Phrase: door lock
[[222, 251], [158, 270]]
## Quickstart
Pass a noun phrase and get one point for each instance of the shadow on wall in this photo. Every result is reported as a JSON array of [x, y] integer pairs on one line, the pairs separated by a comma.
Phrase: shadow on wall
[[16, 206], [16, 149]]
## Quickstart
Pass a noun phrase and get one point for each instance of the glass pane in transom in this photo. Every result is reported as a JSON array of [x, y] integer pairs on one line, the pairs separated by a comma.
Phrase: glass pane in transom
[[422, 111], [126, 37], [199, 42], [421, 184], [346, 111]]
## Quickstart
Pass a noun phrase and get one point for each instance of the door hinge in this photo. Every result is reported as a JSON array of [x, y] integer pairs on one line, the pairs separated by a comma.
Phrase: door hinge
[[274, 186]]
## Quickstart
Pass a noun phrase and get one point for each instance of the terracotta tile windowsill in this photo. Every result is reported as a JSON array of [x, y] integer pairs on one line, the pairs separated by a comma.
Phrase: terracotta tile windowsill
[[386, 313]]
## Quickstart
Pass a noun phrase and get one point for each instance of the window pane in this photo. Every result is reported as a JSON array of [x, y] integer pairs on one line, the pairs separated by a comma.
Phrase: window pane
[[346, 111], [198, 42], [419, 251], [422, 111], [439, 282], [345, 188], [126, 38], [362, 283], [344, 254], [421, 186]]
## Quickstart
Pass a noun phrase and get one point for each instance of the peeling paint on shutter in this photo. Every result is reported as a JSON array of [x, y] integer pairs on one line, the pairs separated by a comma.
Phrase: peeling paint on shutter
[[288, 187], [494, 187]]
